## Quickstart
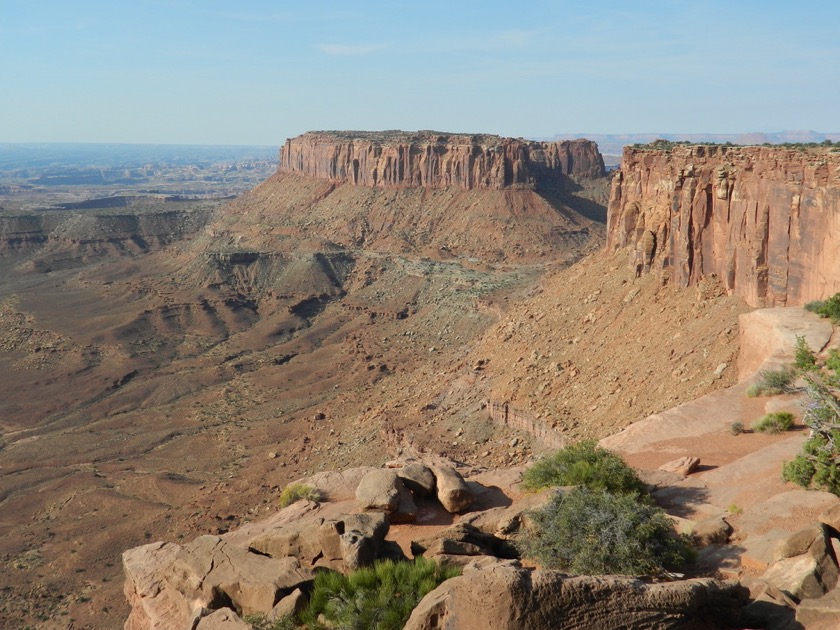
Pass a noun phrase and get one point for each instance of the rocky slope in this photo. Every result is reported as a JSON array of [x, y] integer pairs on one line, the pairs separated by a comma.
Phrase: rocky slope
[[779, 542], [763, 219], [437, 160]]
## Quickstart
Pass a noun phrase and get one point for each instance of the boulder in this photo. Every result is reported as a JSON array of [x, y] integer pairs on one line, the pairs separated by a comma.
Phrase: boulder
[[337, 485], [711, 531], [418, 478], [683, 466], [804, 565], [831, 517], [208, 569], [769, 607], [321, 541], [222, 619], [154, 603], [822, 613], [452, 491], [406, 509], [502, 596], [379, 490], [507, 521], [463, 539], [301, 540], [291, 604]]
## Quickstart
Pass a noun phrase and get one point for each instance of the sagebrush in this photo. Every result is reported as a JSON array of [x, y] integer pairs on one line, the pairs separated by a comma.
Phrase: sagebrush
[[595, 532], [772, 382]]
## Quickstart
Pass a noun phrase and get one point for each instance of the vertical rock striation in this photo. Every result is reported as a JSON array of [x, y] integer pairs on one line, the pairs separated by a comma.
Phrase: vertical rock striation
[[437, 160], [765, 220]]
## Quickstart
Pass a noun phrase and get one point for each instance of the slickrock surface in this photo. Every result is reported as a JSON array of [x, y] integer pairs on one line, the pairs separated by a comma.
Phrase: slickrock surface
[[763, 219], [740, 475], [433, 159], [499, 596]]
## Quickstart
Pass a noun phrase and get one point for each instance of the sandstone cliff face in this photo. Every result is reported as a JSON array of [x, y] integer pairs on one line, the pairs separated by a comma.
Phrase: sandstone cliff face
[[436, 160], [765, 220]]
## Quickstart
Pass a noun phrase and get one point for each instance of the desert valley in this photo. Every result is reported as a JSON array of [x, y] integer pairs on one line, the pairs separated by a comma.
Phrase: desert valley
[[174, 357]]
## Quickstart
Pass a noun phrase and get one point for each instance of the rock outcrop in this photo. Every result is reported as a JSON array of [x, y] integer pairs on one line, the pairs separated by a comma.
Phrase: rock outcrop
[[437, 160], [499, 596], [763, 219]]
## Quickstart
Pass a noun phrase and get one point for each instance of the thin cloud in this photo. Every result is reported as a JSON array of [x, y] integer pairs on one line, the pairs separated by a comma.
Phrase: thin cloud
[[347, 50]]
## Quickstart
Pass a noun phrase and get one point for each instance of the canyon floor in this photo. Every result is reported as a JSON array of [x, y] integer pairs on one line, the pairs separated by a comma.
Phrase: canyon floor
[[161, 390]]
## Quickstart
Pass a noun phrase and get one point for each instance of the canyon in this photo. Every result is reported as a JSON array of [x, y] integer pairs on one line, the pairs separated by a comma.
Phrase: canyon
[[449, 296]]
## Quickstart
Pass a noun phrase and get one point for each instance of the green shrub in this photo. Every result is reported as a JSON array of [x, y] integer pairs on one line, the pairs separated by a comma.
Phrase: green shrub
[[804, 358], [584, 464], [818, 465], [832, 363], [774, 423], [297, 491], [594, 532], [736, 428], [772, 382], [830, 308], [380, 597], [814, 307]]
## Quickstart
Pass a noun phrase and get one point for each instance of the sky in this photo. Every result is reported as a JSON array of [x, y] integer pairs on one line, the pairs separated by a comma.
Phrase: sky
[[257, 72]]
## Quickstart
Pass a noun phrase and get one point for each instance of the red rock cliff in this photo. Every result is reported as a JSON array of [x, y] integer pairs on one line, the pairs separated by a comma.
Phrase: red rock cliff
[[437, 160], [766, 220]]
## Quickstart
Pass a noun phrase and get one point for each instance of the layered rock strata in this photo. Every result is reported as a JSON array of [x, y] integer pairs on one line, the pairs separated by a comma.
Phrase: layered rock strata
[[766, 220], [437, 160]]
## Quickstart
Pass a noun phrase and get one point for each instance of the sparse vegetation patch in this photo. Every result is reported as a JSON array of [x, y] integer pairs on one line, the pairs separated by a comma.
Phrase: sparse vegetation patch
[[828, 308], [774, 423], [772, 382], [298, 491]]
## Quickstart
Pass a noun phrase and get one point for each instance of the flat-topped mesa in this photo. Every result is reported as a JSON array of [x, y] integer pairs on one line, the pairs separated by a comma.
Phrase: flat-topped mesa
[[765, 220], [431, 159]]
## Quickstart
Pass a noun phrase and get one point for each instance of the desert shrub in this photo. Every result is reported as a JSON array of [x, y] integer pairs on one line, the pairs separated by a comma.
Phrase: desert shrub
[[830, 308], [804, 359], [832, 364], [736, 428], [381, 596], [297, 491], [774, 423], [584, 464], [814, 307], [772, 382], [595, 532], [818, 465]]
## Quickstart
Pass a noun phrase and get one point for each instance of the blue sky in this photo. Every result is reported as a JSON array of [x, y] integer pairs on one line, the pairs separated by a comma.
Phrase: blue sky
[[256, 72]]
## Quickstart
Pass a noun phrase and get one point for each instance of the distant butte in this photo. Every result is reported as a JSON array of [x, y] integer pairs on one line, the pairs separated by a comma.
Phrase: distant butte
[[433, 159]]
